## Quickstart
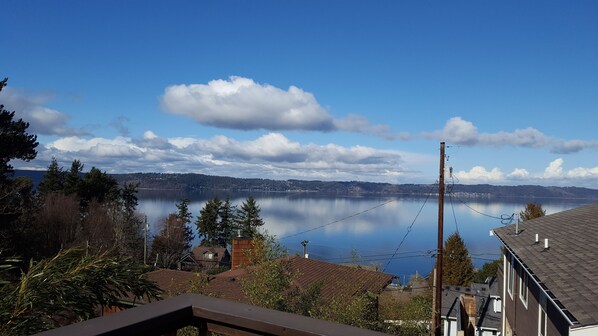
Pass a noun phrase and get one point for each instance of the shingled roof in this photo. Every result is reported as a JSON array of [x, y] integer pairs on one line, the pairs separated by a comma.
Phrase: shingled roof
[[337, 281], [568, 269]]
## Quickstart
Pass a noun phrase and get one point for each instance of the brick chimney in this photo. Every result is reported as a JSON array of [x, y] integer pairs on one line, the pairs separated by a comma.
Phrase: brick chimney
[[240, 248], [468, 313]]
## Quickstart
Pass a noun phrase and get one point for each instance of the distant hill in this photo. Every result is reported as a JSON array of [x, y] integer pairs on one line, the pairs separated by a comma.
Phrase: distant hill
[[189, 183], [197, 182]]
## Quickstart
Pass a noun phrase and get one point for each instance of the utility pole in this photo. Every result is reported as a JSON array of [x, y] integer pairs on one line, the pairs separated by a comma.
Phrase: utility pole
[[436, 323], [304, 243]]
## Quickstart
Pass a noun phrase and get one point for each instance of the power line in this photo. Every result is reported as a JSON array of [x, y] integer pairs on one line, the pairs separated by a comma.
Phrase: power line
[[409, 229], [338, 220], [454, 216]]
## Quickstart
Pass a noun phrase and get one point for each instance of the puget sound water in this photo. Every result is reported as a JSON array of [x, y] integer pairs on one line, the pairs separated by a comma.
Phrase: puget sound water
[[397, 234]]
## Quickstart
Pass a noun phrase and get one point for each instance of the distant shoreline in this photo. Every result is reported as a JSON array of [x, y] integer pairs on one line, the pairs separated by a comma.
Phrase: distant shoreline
[[197, 183]]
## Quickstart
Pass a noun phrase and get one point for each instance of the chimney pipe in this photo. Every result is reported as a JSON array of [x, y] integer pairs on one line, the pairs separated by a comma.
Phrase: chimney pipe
[[517, 228]]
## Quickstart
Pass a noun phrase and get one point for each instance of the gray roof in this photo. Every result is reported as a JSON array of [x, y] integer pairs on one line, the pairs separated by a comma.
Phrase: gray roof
[[486, 317], [569, 267]]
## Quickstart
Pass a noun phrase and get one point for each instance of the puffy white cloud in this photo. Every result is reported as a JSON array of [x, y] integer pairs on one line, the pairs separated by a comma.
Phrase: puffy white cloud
[[241, 103], [42, 119], [554, 169], [518, 174], [463, 132], [585, 173], [479, 174]]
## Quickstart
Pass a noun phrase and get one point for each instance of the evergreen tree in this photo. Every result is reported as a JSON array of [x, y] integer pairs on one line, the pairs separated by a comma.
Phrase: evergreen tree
[[15, 195], [73, 178], [15, 142], [248, 217], [531, 211], [456, 262], [185, 217], [207, 222], [53, 180], [226, 225], [129, 228], [99, 186]]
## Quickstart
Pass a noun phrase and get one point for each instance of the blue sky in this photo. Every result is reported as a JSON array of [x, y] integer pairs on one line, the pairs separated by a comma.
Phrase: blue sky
[[327, 90]]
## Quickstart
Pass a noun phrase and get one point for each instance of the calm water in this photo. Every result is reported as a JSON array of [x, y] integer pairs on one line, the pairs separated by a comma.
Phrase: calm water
[[369, 229]]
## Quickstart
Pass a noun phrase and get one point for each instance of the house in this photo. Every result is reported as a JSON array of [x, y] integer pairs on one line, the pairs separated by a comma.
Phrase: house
[[204, 258], [476, 310], [549, 278]]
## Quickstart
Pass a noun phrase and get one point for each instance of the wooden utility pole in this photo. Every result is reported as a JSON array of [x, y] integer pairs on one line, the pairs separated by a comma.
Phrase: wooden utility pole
[[436, 324]]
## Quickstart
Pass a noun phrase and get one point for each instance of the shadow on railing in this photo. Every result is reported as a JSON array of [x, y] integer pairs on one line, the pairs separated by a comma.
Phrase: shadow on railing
[[209, 315]]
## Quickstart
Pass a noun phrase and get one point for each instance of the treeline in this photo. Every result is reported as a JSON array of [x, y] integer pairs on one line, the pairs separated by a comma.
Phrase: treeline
[[189, 183], [71, 209]]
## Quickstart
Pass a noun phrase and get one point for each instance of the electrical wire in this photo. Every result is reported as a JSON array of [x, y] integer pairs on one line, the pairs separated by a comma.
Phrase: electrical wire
[[408, 229], [454, 216]]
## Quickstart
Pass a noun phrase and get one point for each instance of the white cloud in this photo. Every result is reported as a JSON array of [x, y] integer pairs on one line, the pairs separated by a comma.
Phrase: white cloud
[[585, 173], [554, 169], [459, 131], [269, 156], [42, 119], [463, 132], [518, 174], [241, 103], [479, 174]]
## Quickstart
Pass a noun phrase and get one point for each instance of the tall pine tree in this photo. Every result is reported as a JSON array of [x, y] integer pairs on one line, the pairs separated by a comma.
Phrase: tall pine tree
[[248, 217], [457, 268]]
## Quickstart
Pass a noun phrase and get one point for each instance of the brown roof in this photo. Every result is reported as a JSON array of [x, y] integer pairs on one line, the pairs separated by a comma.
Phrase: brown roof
[[337, 281], [569, 267], [172, 282]]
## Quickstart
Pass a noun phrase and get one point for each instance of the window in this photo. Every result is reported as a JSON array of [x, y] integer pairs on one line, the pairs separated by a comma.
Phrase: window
[[542, 322], [523, 287], [510, 277]]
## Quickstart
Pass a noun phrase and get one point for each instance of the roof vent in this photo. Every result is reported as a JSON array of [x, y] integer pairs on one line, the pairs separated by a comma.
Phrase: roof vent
[[546, 244], [537, 239]]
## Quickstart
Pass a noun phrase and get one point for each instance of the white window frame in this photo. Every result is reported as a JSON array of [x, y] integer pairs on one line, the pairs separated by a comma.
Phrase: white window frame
[[542, 312], [523, 291]]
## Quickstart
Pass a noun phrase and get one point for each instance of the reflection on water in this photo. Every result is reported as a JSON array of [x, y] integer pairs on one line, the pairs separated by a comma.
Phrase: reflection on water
[[337, 234]]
